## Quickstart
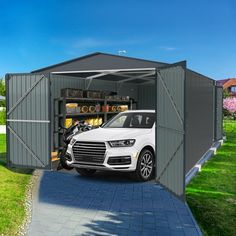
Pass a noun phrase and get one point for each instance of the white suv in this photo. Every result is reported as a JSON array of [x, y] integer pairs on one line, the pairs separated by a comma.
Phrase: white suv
[[124, 143]]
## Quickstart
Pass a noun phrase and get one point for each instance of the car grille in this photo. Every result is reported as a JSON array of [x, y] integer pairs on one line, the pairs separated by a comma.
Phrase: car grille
[[89, 152]]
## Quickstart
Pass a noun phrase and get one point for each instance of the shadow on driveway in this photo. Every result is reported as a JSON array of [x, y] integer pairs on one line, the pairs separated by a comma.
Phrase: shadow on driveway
[[107, 204]]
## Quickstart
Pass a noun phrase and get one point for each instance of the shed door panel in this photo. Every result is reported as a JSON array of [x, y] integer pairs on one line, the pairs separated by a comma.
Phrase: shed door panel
[[219, 113], [170, 129], [28, 123]]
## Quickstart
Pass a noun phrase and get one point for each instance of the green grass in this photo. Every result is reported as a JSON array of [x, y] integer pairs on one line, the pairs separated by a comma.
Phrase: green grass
[[13, 184], [2, 117], [211, 195]]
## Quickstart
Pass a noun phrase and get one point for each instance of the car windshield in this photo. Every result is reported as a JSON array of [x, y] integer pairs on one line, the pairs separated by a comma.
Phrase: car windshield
[[132, 120]]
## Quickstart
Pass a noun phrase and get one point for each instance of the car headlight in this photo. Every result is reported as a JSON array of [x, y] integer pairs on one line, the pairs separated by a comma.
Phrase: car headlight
[[72, 141], [122, 143]]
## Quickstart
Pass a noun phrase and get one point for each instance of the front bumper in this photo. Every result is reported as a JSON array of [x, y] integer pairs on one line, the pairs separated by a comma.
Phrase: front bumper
[[115, 159]]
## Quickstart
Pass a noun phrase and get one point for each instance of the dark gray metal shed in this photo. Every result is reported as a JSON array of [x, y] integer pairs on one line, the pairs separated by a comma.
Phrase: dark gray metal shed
[[188, 109]]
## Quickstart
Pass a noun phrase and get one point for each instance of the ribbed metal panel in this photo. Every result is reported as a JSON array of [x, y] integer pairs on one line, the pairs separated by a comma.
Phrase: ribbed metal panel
[[146, 96], [200, 109], [59, 82], [28, 120], [218, 113], [170, 129]]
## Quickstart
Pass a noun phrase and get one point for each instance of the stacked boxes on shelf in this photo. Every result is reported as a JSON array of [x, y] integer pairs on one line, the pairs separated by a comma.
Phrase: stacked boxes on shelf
[[93, 107], [72, 93]]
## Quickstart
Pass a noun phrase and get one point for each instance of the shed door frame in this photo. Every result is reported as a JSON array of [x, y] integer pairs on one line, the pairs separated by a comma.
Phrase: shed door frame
[[13, 137]]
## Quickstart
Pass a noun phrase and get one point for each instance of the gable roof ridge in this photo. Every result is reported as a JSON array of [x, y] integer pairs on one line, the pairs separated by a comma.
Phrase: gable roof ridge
[[91, 55]]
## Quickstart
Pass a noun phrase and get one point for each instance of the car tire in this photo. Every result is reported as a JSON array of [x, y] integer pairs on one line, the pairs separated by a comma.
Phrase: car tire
[[145, 166], [85, 172]]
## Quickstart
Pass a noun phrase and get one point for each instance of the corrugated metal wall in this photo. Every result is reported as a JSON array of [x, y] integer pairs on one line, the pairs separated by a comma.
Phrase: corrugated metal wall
[[28, 120], [170, 129], [59, 82], [200, 112], [146, 96], [219, 113]]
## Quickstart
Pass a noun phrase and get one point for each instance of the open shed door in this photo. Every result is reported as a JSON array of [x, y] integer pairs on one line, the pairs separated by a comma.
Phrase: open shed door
[[218, 113], [28, 121], [170, 139]]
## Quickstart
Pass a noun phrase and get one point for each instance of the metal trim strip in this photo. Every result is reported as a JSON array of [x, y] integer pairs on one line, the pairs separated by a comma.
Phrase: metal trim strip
[[30, 121]]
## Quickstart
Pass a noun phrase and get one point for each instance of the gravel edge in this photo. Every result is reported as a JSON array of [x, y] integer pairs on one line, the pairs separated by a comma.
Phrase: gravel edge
[[28, 204]]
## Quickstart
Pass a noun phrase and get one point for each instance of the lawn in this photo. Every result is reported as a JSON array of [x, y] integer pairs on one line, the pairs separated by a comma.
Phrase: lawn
[[2, 117], [211, 195], [13, 185]]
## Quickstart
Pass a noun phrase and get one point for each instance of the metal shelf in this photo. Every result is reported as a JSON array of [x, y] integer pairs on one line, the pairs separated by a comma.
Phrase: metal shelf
[[61, 99], [67, 99], [85, 114], [60, 115]]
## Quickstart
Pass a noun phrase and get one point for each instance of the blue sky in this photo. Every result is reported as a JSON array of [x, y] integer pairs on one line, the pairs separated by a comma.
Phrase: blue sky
[[35, 34]]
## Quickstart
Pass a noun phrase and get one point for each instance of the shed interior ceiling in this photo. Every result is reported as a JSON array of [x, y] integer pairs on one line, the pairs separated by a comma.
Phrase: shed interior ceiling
[[138, 76]]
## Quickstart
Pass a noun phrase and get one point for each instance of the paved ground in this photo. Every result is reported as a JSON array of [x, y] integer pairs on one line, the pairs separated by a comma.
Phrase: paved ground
[[106, 204]]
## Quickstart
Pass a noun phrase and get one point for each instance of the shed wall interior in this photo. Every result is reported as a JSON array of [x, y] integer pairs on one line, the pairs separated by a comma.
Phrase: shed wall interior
[[59, 82]]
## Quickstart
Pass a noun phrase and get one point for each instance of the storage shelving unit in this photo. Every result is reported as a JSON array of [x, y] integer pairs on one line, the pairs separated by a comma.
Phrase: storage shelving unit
[[60, 113]]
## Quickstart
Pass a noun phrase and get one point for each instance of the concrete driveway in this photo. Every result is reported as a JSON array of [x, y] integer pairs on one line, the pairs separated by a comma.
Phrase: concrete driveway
[[106, 204]]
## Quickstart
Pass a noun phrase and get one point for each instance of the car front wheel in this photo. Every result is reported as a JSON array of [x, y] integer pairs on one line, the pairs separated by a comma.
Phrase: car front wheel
[[145, 166], [85, 172]]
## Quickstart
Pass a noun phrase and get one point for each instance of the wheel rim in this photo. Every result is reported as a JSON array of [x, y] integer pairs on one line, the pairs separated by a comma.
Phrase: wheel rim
[[146, 165]]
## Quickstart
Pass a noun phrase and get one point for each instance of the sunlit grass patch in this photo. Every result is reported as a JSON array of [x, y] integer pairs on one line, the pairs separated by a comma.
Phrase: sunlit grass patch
[[211, 195]]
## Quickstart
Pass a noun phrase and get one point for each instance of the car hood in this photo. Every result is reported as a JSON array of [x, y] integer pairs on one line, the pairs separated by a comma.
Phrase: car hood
[[108, 134]]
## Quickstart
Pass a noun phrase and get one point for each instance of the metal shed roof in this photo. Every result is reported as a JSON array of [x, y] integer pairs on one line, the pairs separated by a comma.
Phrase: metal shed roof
[[91, 64], [100, 61]]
